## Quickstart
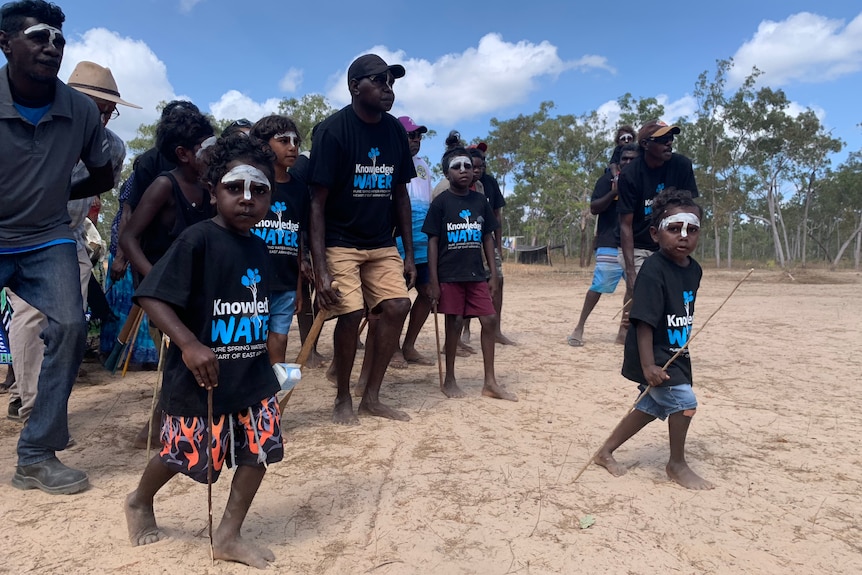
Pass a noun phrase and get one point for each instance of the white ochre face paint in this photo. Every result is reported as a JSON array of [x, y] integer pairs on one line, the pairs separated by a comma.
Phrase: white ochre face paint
[[684, 218], [52, 32], [290, 136], [460, 160], [248, 175], [204, 145]]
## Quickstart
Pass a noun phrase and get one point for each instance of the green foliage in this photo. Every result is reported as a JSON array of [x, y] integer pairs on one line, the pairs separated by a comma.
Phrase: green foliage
[[307, 112]]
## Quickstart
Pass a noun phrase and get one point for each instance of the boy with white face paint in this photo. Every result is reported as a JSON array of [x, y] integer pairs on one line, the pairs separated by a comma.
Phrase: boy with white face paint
[[661, 322], [210, 293], [282, 227]]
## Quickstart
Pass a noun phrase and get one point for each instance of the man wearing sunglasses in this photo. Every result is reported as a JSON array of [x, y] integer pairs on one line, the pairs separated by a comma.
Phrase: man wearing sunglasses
[[45, 128], [359, 170], [656, 169]]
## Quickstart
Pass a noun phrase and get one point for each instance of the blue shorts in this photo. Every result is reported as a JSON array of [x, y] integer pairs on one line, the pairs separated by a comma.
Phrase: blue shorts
[[667, 400], [608, 272], [281, 307]]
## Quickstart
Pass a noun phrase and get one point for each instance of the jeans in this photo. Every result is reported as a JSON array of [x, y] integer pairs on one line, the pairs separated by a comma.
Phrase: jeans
[[47, 279]]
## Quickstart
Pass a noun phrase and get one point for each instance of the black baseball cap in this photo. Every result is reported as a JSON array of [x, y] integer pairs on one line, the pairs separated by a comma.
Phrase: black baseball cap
[[371, 64]]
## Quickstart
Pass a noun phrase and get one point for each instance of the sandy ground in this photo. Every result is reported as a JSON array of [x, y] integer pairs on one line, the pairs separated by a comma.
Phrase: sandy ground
[[484, 486]]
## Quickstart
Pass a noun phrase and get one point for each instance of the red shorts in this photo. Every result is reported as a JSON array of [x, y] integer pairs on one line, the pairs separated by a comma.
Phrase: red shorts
[[256, 438], [468, 299]]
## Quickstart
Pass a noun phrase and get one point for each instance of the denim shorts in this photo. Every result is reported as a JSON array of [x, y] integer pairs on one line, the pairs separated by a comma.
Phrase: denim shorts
[[281, 307], [667, 400], [608, 272]]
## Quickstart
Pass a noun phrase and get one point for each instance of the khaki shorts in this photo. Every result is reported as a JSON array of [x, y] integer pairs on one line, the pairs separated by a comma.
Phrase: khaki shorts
[[366, 277], [640, 256]]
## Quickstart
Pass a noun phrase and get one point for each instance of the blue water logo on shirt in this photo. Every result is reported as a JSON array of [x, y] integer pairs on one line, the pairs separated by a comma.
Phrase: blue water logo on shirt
[[373, 177], [459, 235], [241, 321], [648, 203], [679, 327], [278, 233]]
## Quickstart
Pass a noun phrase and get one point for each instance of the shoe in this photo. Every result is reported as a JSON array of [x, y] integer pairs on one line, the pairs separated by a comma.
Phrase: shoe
[[50, 476], [14, 407]]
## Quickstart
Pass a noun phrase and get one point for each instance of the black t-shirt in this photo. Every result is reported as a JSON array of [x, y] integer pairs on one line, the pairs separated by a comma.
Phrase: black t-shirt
[[607, 235], [360, 164], [638, 184], [492, 191], [281, 227], [217, 281], [664, 299], [147, 168], [460, 223]]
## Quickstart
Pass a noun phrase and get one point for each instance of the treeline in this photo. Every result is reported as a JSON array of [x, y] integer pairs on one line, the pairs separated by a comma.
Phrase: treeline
[[767, 184], [766, 179]]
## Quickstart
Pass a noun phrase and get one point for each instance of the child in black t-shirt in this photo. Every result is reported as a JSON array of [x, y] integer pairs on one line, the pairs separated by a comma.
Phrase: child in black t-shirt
[[661, 320], [210, 294], [460, 225], [282, 227]]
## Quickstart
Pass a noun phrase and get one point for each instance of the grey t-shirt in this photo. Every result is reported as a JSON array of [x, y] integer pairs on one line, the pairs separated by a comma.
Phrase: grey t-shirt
[[36, 164]]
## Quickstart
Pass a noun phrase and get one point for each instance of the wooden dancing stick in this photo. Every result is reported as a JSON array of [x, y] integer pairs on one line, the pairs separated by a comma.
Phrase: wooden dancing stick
[[664, 368], [305, 351], [622, 309], [437, 336], [210, 471], [160, 372], [131, 346]]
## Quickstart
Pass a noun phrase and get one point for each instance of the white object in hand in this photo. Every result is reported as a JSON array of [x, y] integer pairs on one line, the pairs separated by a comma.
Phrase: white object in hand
[[288, 374]]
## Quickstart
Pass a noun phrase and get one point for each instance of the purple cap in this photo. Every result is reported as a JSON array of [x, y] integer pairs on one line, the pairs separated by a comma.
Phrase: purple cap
[[410, 125]]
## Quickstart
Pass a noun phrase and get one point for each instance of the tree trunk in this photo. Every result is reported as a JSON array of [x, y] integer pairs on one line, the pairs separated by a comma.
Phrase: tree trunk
[[858, 254], [776, 237], [844, 246], [730, 241], [803, 257]]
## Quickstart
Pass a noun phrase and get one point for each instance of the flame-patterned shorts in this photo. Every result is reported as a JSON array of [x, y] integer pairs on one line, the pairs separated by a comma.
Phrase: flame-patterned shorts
[[251, 437]]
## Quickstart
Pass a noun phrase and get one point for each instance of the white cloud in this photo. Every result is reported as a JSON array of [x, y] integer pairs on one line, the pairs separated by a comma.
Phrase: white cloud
[[141, 77], [187, 5], [673, 109], [492, 76], [234, 105], [291, 81], [805, 47]]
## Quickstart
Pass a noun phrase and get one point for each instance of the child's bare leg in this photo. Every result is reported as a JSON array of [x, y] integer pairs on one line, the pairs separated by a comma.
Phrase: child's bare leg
[[228, 543], [140, 517], [489, 338], [677, 468], [631, 424], [454, 324]]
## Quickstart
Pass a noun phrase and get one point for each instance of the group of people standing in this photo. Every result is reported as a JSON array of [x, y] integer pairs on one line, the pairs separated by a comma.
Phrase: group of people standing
[[220, 231]]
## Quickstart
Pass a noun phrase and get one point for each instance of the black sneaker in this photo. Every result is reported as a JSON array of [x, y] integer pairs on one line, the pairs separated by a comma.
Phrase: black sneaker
[[50, 476], [14, 408]]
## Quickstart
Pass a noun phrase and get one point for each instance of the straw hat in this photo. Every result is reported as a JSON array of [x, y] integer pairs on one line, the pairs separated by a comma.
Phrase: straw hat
[[96, 81]]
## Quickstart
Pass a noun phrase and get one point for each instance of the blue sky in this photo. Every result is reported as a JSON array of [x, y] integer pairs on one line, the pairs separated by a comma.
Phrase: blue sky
[[469, 62]]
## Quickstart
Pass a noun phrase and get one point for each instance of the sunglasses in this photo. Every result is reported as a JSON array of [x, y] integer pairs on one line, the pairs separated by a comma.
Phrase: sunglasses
[[414, 136], [626, 138], [381, 80], [461, 166], [666, 139], [109, 114]]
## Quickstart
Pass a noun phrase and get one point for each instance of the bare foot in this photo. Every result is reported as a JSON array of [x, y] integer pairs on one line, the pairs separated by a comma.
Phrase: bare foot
[[398, 361], [239, 550], [413, 356], [141, 521], [450, 389], [378, 409], [140, 441], [342, 413], [503, 340], [468, 348], [465, 333], [459, 352], [682, 474], [330, 374], [497, 392], [359, 388], [315, 361], [606, 460]]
